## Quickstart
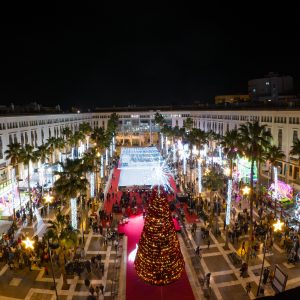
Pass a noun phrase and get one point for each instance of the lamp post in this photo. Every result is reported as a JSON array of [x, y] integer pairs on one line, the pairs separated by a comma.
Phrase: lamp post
[[48, 200], [28, 243], [246, 190], [277, 227], [51, 264]]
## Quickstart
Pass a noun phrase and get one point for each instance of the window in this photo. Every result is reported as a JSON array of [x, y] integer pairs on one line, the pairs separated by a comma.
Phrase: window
[[291, 171], [280, 139], [42, 135], [296, 173], [22, 139], [295, 136]]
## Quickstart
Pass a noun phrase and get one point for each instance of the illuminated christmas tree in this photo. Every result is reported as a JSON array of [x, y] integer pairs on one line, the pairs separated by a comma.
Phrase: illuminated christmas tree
[[159, 260]]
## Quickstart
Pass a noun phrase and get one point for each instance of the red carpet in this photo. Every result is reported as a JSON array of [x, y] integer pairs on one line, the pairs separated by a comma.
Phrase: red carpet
[[137, 289]]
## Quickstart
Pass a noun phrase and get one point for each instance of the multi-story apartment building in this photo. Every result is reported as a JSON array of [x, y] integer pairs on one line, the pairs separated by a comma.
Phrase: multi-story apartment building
[[137, 127]]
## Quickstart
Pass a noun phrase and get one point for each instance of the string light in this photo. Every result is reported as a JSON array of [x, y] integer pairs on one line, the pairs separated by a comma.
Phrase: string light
[[159, 260], [28, 243], [228, 208], [74, 213]]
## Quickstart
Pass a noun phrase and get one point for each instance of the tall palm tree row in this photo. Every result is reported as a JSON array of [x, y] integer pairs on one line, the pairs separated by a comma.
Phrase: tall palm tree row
[[60, 234], [231, 144], [13, 155], [255, 139], [27, 156]]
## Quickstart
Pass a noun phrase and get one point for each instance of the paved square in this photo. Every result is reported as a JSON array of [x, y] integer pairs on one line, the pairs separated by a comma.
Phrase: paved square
[[216, 263], [15, 281]]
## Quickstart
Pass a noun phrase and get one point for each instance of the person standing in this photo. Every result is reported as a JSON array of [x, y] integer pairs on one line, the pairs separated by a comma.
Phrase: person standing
[[101, 287], [208, 242], [248, 288]]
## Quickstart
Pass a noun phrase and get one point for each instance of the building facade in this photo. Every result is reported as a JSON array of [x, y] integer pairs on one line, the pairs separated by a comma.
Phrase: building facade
[[137, 127]]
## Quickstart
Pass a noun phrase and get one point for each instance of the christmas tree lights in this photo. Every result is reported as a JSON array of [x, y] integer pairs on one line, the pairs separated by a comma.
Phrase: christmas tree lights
[[159, 260]]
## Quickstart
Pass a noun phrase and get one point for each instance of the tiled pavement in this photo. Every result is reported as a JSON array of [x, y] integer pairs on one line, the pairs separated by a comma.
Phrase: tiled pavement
[[25, 284], [226, 281]]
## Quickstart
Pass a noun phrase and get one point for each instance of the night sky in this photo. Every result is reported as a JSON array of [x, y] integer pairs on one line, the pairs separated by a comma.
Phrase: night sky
[[92, 55]]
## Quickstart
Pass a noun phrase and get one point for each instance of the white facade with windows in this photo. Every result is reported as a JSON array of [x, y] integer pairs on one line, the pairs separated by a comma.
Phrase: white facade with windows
[[36, 129]]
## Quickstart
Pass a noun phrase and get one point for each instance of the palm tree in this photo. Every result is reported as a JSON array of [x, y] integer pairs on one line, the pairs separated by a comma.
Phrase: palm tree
[[273, 155], [74, 140], [160, 121], [13, 154], [62, 235], [296, 149], [254, 139], [27, 155], [71, 182], [42, 154], [213, 180], [188, 124], [86, 129], [232, 149], [112, 124]]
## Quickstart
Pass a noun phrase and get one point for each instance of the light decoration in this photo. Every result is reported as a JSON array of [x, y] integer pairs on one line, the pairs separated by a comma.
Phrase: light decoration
[[284, 191], [278, 225], [28, 243], [167, 145], [74, 213], [114, 144], [159, 260], [184, 154], [48, 199], [199, 176], [161, 174], [132, 254], [228, 207], [275, 182], [174, 153], [220, 153], [101, 167], [92, 183], [227, 171], [111, 150], [106, 157], [162, 141], [246, 190]]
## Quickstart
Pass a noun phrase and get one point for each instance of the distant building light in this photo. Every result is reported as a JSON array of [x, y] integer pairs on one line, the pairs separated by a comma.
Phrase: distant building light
[[254, 90], [78, 111], [267, 83], [269, 100]]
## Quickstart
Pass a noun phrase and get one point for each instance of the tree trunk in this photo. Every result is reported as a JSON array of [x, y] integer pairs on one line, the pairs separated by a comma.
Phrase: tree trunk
[[62, 267]]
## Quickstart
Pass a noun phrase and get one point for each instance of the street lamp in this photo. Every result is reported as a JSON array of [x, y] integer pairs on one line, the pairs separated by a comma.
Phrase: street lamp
[[28, 243], [277, 227], [227, 172], [48, 200], [246, 190]]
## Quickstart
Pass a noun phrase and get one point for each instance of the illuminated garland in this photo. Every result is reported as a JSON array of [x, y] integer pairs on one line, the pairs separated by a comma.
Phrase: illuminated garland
[[159, 260], [74, 213]]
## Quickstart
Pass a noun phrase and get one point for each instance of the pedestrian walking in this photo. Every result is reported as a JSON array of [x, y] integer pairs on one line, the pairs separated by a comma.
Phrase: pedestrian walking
[[243, 248], [208, 242], [248, 288], [97, 290], [101, 286]]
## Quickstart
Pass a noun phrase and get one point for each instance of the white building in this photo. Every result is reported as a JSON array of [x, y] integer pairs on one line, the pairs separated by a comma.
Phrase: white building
[[136, 127]]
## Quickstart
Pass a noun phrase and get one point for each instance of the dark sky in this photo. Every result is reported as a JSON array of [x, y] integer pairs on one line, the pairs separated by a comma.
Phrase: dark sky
[[92, 55]]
